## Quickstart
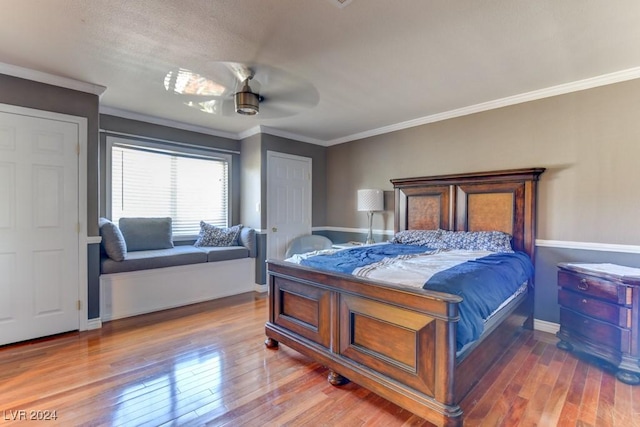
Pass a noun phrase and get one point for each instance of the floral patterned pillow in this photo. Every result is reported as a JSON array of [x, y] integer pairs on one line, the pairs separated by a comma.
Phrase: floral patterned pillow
[[210, 235], [494, 241], [428, 238]]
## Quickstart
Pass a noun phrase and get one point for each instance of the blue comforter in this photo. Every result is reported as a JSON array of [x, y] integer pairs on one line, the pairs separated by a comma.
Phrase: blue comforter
[[348, 260], [483, 283]]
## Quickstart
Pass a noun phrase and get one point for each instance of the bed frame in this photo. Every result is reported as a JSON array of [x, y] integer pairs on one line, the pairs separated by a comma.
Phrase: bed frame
[[400, 342]]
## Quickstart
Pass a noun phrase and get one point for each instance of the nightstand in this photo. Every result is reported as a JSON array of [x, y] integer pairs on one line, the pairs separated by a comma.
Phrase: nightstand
[[599, 314]]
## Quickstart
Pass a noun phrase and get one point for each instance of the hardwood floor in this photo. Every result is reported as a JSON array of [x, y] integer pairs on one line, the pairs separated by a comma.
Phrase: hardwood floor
[[206, 365]]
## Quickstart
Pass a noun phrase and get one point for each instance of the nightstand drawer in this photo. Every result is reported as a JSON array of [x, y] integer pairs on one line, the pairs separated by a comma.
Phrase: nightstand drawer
[[594, 287], [598, 309], [595, 331]]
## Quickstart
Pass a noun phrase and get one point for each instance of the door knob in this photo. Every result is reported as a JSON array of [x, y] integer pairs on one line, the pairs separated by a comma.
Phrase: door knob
[[274, 229]]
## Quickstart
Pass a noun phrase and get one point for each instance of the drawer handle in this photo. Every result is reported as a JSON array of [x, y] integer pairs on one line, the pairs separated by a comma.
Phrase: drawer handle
[[584, 301], [583, 285]]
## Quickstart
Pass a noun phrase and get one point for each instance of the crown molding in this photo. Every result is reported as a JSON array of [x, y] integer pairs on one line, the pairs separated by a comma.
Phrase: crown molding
[[250, 132], [165, 122], [50, 79], [593, 82], [289, 135]]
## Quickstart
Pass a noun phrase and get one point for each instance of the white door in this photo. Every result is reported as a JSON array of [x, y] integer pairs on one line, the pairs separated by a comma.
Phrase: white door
[[39, 228], [288, 201]]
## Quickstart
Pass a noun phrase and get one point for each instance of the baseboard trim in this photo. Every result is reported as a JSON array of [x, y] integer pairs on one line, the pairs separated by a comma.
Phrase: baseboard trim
[[94, 323], [260, 288], [544, 326]]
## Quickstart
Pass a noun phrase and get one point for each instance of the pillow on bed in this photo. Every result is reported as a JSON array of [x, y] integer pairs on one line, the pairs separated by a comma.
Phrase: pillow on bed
[[429, 238], [210, 235], [494, 241]]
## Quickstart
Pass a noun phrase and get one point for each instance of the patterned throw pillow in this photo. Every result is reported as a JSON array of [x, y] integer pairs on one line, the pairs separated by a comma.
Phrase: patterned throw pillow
[[428, 238], [210, 235], [494, 241]]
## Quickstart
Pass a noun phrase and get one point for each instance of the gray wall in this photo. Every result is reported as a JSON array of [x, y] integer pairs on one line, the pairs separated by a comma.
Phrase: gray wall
[[588, 141]]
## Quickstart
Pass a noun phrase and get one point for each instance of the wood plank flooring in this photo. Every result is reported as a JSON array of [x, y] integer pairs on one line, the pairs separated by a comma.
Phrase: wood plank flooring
[[206, 364]]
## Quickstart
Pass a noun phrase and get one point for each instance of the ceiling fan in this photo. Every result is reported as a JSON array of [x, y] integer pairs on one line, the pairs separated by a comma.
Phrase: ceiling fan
[[233, 88]]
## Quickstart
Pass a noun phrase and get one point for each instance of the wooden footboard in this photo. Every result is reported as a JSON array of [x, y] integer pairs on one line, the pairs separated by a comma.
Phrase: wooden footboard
[[399, 343]]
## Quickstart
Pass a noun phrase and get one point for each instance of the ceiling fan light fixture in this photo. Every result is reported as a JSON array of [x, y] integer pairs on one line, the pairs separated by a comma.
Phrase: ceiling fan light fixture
[[247, 102]]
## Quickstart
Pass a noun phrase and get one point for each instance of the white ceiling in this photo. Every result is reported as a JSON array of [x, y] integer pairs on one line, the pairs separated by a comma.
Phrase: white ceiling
[[375, 65]]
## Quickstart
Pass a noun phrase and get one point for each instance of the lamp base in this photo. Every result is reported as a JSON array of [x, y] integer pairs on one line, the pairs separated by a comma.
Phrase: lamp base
[[370, 240]]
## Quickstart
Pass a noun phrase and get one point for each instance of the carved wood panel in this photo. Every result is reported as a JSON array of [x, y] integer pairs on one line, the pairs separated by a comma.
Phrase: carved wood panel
[[366, 328], [426, 208], [302, 309], [487, 207]]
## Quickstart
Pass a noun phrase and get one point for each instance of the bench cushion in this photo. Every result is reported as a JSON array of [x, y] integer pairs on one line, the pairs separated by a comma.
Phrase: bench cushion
[[157, 258], [224, 253]]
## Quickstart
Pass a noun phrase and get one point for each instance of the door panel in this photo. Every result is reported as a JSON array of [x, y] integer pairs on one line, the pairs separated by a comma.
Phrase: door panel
[[288, 201], [39, 237]]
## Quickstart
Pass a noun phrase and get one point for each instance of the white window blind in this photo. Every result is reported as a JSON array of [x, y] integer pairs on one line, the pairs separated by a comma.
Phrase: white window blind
[[149, 181]]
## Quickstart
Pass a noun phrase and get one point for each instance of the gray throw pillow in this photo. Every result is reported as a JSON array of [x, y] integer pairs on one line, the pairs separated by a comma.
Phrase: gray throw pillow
[[113, 242], [142, 234], [210, 235]]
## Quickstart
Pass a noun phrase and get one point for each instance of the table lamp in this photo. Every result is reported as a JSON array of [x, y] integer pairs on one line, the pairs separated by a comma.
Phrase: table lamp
[[370, 200]]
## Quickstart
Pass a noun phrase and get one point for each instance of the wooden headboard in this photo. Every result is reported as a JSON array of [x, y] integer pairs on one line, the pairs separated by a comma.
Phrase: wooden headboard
[[484, 201]]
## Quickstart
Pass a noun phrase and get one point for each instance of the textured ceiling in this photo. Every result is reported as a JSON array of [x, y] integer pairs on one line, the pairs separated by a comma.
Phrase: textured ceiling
[[370, 65]]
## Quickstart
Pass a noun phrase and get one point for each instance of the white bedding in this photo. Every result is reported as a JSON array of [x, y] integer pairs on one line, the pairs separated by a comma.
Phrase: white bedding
[[415, 270]]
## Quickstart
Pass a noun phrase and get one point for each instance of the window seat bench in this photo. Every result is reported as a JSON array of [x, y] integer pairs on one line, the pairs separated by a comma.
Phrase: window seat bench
[[157, 279]]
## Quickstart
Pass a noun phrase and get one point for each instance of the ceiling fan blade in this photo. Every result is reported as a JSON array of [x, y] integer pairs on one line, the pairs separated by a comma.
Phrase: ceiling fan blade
[[186, 82], [219, 106], [296, 95]]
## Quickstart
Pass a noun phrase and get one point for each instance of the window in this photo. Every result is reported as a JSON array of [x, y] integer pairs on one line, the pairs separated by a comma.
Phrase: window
[[150, 179]]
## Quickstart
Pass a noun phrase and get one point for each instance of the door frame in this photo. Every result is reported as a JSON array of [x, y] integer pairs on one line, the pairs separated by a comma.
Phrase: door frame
[[270, 155], [83, 239]]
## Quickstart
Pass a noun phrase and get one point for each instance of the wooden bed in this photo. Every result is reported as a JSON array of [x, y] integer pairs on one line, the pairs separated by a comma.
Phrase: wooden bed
[[400, 342]]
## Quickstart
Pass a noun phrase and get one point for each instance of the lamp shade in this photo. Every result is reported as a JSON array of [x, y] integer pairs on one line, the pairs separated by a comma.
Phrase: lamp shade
[[370, 200]]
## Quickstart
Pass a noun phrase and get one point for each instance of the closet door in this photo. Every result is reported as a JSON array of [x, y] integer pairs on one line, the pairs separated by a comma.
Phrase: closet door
[[288, 200], [39, 231]]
